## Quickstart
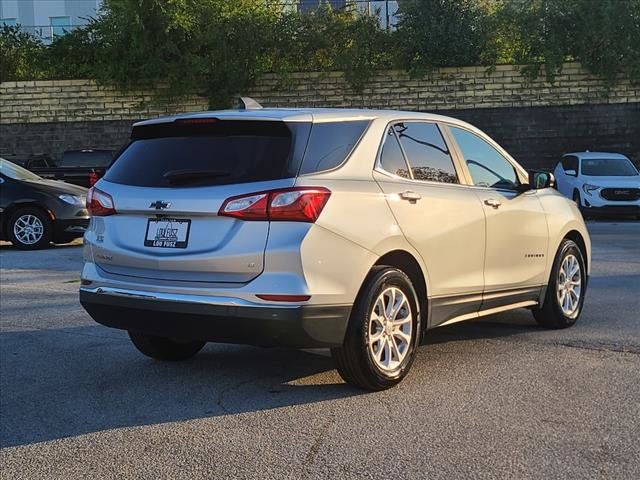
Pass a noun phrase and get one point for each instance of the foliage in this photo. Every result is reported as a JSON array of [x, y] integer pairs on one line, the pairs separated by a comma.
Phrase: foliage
[[210, 47], [603, 35], [331, 40], [536, 34], [73, 55], [219, 48], [607, 40], [437, 33], [19, 54]]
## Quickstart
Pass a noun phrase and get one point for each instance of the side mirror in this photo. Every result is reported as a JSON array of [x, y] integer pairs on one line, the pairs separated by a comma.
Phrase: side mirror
[[573, 173], [539, 179]]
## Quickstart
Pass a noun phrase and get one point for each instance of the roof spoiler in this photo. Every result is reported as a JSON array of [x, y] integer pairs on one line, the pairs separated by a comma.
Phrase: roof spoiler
[[248, 103]]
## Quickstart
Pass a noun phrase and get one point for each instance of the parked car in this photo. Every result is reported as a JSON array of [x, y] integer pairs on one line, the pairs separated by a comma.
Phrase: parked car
[[35, 212], [600, 182], [80, 167], [39, 160], [355, 230]]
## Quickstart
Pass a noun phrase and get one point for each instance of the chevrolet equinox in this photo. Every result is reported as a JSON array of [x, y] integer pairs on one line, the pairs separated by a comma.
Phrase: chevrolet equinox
[[354, 230]]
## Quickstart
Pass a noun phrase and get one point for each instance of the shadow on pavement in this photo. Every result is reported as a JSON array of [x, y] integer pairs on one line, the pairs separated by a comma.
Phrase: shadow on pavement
[[58, 383], [64, 382]]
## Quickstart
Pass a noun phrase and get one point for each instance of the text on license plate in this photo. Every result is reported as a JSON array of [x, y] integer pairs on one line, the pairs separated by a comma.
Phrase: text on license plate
[[167, 233]]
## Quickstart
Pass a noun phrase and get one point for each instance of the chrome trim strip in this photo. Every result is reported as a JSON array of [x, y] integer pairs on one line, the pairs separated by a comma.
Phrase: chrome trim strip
[[181, 298], [489, 311]]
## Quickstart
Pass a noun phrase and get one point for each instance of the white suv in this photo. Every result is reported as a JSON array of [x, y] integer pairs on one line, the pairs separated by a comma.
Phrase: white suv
[[600, 182], [356, 230]]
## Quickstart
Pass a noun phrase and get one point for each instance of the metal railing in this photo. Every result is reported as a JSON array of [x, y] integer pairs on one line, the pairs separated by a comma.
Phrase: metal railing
[[47, 33]]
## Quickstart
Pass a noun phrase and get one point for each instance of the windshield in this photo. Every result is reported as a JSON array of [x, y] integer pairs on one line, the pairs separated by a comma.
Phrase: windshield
[[16, 172], [608, 167]]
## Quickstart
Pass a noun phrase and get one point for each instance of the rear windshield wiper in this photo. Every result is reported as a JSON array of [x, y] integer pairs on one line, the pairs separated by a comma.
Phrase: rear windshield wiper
[[175, 177]]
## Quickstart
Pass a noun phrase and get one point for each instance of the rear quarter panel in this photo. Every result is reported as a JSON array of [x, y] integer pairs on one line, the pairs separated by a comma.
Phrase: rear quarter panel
[[362, 229]]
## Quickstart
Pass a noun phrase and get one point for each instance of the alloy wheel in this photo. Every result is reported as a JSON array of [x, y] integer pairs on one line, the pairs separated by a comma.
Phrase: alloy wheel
[[569, 286], [390, 329], [28, 229]]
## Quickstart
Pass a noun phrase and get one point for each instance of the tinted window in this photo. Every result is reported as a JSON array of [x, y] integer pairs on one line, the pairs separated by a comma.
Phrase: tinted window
[[427, 152], [40, 161], [570, 163], [391, 158], [487, 166], [86, 158], [330, 144], [602, 167], [221, 153]]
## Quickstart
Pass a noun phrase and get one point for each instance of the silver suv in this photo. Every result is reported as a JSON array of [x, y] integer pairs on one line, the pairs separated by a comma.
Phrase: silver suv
[[355, 230]]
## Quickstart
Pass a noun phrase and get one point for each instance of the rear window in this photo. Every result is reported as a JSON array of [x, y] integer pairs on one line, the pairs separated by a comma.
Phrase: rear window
[[219, 153], [223, 152], [86, 158]]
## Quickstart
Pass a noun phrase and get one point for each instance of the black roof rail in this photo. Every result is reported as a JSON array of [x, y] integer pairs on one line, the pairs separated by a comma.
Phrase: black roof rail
[[248, 103]]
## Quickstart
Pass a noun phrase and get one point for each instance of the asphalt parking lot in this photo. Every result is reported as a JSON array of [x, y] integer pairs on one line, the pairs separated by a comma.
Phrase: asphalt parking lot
[[493, 398]]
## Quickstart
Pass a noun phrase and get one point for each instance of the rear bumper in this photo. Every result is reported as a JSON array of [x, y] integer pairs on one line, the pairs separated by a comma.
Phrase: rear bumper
[[63, 229], [199, 318]]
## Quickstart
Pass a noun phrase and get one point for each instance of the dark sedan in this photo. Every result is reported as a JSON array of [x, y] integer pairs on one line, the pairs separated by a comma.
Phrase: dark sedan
[[35, 212]]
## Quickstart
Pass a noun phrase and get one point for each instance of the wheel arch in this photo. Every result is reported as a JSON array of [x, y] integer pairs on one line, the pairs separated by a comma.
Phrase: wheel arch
[[577, 237], [409, 264]]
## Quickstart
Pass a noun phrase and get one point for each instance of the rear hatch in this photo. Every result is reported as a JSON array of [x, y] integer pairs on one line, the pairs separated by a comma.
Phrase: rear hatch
[[168, 185]]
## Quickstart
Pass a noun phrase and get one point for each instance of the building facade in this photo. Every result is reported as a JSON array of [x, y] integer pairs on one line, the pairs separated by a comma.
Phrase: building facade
[[48, 19], [385, 10]]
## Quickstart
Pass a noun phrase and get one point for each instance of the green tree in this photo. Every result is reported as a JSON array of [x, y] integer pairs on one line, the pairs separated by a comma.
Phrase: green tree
[[73, 55], [437, 33], [19, 55], [331, 40], [606, 38], [211, 47]]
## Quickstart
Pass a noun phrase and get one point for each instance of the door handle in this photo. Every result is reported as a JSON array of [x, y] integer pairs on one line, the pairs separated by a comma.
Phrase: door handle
[[493, 202], [411, 196]]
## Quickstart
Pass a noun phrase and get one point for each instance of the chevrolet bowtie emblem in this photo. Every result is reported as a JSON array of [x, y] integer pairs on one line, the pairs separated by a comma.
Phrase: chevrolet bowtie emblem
[[160, 205]]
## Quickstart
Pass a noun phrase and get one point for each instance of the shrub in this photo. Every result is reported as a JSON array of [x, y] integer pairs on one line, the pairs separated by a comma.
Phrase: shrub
[[438, 33], [218, 48], [331, 40], [19, 55]]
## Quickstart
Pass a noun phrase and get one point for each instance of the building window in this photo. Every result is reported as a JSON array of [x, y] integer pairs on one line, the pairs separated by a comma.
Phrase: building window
[[59, 26], [8, 22]]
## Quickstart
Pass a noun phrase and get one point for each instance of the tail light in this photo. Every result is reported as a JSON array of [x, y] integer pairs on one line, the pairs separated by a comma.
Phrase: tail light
[[299, 204], [93, 178], [99, 203]]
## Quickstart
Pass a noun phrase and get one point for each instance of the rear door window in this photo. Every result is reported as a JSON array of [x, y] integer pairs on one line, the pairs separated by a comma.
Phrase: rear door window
[[330, 144], [427, 153], [214, 153]]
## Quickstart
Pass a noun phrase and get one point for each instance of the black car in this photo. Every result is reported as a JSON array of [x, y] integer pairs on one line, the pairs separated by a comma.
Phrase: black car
[[35, 211]]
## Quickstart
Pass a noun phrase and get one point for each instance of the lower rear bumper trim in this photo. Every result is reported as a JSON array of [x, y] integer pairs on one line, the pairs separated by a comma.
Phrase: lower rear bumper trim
[[303, 326]]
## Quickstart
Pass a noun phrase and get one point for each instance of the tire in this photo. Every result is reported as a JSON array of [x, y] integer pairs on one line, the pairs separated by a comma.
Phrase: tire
[[552, 314], [577, 199], [163, 348], [356, 360], [29, 228]]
